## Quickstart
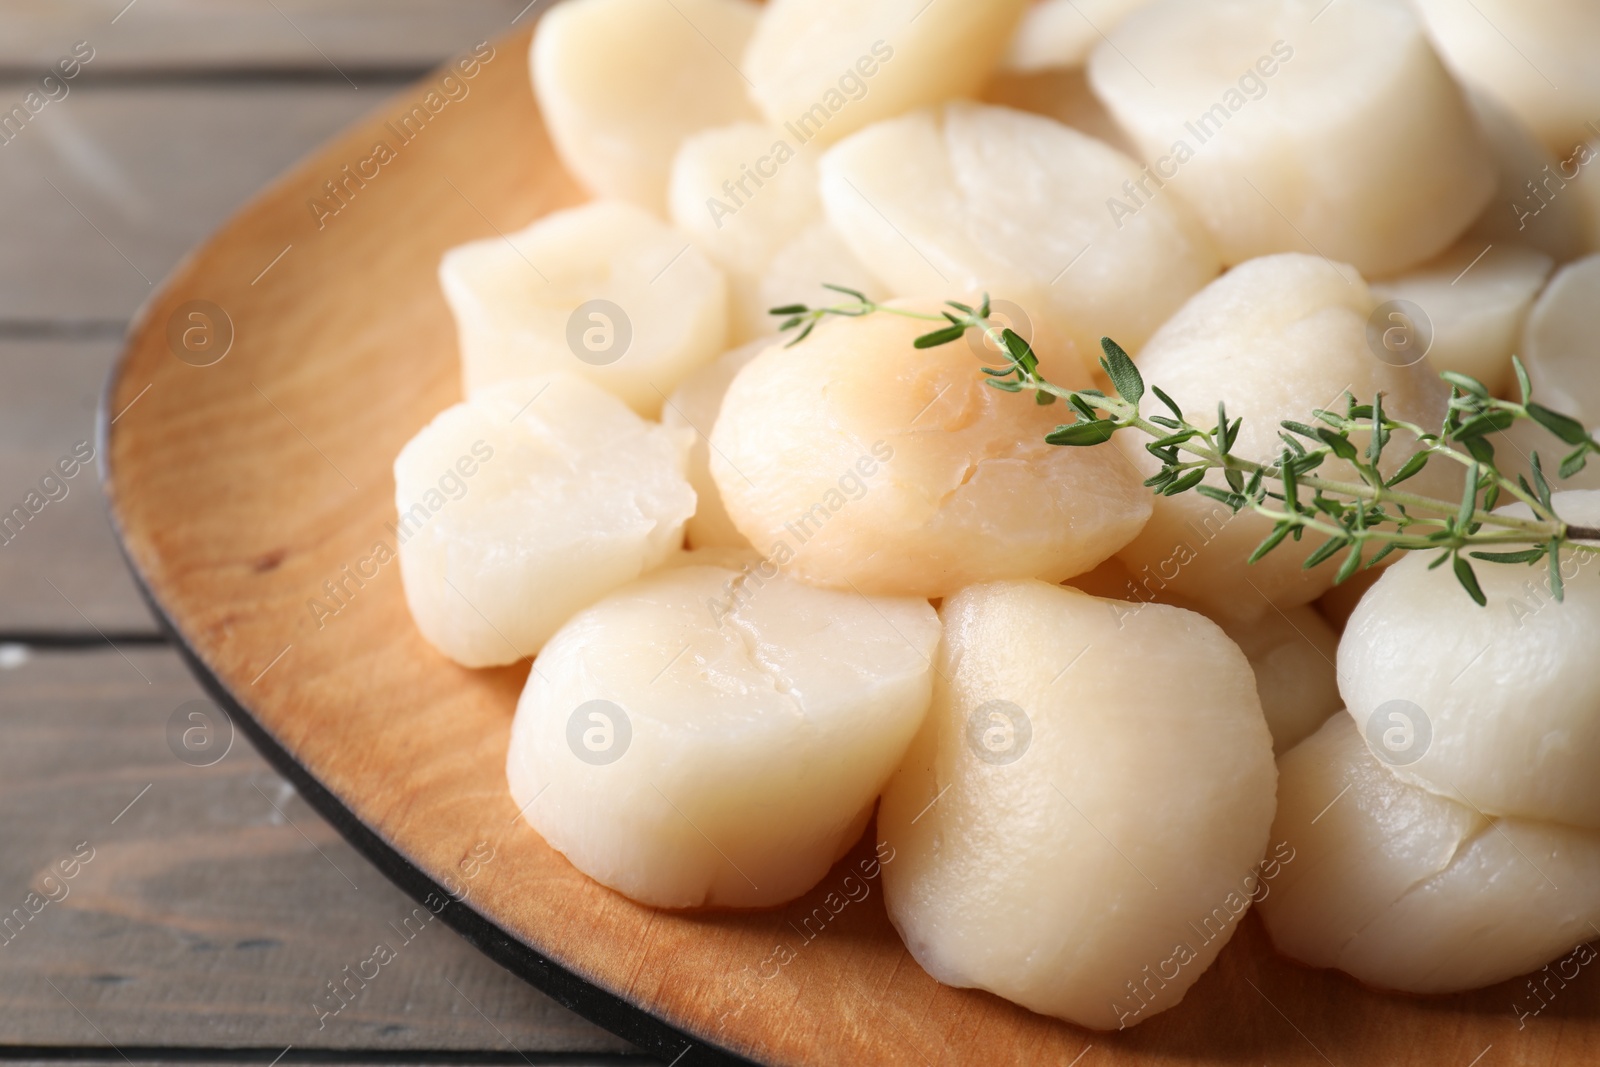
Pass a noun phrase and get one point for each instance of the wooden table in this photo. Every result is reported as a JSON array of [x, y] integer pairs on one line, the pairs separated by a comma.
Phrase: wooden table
[[217, 906]]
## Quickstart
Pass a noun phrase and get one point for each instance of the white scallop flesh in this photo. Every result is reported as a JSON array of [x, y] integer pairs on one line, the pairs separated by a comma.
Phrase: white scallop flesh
[[1347, 138], [1062, 94], [974, 198], [622, 82], [692, 409], [1536, 58], [1275, 338], [1072, 830], [801, 269], [524, 304], [1408, 890], [1292, 653], [1475, 298], [1501, 703], [709, 736], [857, 461], [743, 193], [1558, 348], [822, 69], [1559, 343], [1060, 34], [577, 496], [1533, 203]]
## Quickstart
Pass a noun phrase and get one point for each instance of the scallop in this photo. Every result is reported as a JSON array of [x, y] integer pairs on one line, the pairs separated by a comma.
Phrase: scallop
[[1558, 349], [1073, 830], [1559, 341], [967, 198], [744, 194], [1537, 59], [621, 82], [605, 291], [857, 461], [692, 410], [801, 269], [1060, 34], [1474, 299], [1409, 890], [527, 502], [1497, 706], [1347, 138], [1532, 203], [822, 69], [1062, 94], [1275, 338], [1291, 652], [712, 736]]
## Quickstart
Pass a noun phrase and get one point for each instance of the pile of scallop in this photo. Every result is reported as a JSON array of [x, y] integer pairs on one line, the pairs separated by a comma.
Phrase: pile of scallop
[[771, 590]]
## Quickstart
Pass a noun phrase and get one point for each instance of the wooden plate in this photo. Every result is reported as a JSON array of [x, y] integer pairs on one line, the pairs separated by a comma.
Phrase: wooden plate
[[251, 489]]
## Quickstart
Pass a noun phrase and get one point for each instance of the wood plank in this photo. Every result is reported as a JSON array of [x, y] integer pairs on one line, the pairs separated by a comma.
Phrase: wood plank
[[215, 909], [313, 35], [60, 568], [105, 191]]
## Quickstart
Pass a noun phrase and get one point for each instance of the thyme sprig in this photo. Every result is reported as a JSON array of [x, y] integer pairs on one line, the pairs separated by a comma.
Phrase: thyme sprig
[[1366, 519]]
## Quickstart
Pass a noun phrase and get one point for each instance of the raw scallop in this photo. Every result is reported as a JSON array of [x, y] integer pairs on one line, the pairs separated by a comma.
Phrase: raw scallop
[[1539, 200], [527, 502], [716, 737], [1475, 298], [800, 270], [1535, 57], [1074, 830], [1347, 138], [1275, 339], [857, 461], [1060, 34], [1558, 347], [1412, 891], [693, 408], [821, 69], [968, 198], [621, 82], [605, 291], [1502, 703], [1063, 95], [1292, 652], [743, 194]]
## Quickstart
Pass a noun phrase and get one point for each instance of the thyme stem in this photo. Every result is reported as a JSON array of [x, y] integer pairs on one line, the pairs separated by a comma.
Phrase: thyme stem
[[1351, 515]]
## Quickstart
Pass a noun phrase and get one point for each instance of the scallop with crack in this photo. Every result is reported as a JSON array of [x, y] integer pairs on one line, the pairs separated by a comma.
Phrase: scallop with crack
[[710, 736]]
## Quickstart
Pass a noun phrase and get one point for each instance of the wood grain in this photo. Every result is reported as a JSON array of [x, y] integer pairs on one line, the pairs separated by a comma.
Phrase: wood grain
[[60, 569], [352, 343], [216, 908], [234, 35]]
